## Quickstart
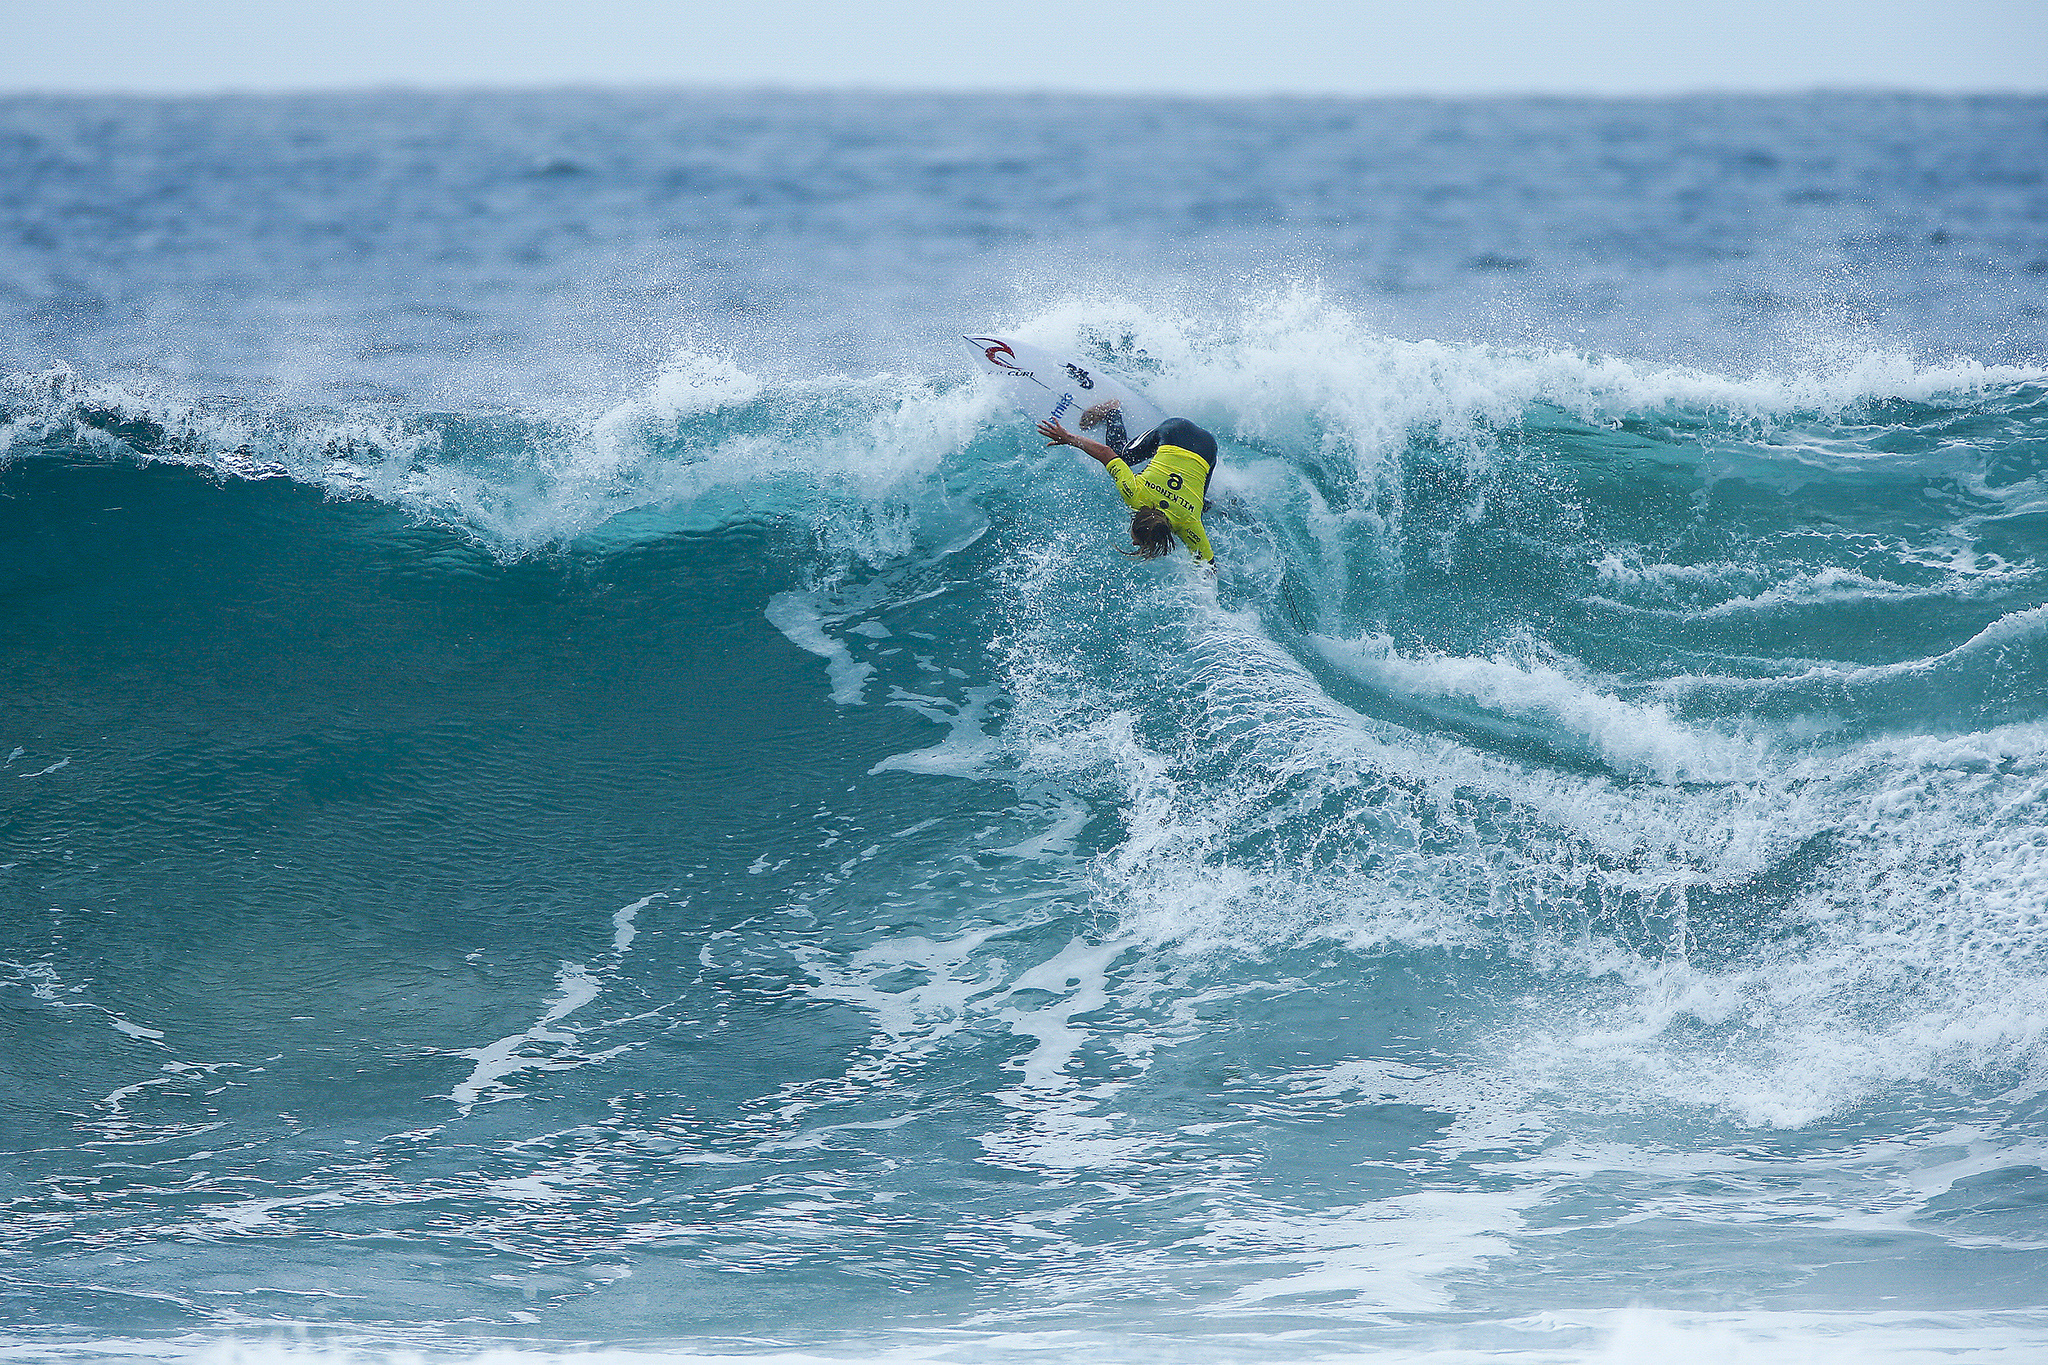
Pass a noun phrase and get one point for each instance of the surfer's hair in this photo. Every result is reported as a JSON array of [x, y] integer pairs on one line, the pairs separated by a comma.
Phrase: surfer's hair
[[1151, 533]]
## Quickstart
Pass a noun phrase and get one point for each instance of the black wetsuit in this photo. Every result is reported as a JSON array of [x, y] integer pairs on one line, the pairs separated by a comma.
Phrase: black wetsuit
[[1174, 431]]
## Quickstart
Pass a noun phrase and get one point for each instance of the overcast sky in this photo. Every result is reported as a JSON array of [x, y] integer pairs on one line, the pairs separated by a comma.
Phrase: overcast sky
[[1183, 46]]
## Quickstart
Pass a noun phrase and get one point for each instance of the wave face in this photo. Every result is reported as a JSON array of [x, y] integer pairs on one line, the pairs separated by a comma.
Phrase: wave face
[[746, 867]]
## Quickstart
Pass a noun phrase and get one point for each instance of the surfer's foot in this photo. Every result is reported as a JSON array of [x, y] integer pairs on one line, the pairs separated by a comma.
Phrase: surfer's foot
[[1094, 415]]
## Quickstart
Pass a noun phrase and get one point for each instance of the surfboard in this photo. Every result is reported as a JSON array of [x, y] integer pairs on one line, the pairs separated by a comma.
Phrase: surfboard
[[1045, 384]]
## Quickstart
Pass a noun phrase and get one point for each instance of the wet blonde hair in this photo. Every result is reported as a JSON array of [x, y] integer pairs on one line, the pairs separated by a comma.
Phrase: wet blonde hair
[[1151, 533]]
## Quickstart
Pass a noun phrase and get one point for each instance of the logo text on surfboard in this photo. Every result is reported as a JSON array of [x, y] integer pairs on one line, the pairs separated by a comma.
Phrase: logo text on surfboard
[[998, 353]]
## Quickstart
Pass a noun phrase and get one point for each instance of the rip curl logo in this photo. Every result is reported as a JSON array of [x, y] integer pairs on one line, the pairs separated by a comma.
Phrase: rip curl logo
[[1000, 355]]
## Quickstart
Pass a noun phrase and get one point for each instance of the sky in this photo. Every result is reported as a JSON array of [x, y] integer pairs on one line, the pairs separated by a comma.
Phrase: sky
[[1191, 47]]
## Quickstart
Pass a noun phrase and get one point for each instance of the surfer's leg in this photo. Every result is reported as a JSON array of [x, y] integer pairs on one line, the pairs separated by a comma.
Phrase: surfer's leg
[[1108, 414], [1113, 434]]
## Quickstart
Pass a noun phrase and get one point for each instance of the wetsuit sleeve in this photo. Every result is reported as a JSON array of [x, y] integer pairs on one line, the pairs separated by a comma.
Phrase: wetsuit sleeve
[[1198, 542]]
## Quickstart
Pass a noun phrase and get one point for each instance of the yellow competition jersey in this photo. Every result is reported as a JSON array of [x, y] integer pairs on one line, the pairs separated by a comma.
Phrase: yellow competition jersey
[[1173, 481]]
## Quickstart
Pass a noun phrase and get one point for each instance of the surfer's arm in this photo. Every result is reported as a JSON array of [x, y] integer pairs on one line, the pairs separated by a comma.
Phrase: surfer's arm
[[1057, 435]]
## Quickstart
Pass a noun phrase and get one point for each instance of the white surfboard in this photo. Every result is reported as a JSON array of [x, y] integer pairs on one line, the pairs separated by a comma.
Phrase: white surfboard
[[1043, 384]]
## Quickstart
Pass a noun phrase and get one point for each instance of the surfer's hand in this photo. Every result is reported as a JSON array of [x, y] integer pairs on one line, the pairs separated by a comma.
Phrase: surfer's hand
[[1057, 435]]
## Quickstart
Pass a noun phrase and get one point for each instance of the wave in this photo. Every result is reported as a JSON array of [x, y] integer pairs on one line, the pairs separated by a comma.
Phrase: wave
[[1620, 674], [1291, 381]]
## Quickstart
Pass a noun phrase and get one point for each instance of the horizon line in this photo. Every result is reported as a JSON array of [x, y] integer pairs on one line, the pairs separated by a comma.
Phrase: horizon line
[[1123, 94]]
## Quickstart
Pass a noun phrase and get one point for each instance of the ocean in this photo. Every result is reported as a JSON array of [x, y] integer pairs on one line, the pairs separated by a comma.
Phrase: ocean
[[578, 788]]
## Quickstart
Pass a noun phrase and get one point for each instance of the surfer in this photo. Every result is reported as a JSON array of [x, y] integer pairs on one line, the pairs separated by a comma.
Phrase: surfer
[[1165, 500]]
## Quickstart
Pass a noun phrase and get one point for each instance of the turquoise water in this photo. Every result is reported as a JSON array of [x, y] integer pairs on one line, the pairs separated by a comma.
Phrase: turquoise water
[[538, 825]]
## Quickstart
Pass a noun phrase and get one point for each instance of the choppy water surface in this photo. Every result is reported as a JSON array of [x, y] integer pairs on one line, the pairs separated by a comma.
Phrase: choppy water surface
[[573, 783]]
